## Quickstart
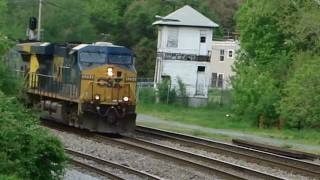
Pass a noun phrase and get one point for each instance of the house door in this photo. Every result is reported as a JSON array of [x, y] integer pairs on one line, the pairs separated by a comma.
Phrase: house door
[[201, 79], [203, 50]]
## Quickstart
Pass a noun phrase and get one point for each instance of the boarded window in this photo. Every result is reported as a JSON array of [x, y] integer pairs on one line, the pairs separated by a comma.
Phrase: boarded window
[[220, 81], [173, 38], [214, 80]]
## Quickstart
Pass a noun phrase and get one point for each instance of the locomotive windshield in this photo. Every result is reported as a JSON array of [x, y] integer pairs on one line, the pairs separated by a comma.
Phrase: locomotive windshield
[[122, 59], [93, 57]]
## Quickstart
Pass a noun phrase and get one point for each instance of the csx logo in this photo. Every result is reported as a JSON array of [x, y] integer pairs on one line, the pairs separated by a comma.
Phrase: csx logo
[[87, 76]]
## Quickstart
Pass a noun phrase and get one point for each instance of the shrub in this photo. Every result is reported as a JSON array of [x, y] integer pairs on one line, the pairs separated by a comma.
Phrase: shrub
[[182, 93], [26, 150], [255, 95], [300, 105], [166, 94], [147, 95]]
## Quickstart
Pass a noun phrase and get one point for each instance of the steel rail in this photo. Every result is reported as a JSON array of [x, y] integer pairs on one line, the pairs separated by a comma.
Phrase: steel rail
[[223, 168], [286, 163], [200, 163], [114, 165], [106, 140], [95, 170]]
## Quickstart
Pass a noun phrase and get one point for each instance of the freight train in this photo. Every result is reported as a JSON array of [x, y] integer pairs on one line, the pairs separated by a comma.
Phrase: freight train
[[90, 86]]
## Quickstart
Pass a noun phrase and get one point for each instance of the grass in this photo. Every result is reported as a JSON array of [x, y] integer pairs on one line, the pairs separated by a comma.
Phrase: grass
[[216, 117]]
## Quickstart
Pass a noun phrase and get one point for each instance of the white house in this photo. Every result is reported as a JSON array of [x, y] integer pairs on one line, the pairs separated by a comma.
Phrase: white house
[[222, 59], [184, 50]]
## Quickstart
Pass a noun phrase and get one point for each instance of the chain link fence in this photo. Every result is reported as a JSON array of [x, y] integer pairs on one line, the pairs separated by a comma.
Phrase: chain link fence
[[216, 95]]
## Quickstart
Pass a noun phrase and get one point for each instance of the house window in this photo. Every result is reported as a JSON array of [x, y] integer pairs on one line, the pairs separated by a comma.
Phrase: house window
[[201, 68], [230, 53], [202, 39], [173, 38], [214, 80], [220, 80], [222, 55]]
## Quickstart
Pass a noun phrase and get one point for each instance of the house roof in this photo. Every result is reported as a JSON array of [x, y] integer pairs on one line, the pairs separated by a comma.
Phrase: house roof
[[186, 16]]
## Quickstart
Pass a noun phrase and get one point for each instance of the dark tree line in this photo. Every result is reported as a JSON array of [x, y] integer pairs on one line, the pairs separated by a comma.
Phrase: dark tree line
[[123, 22]]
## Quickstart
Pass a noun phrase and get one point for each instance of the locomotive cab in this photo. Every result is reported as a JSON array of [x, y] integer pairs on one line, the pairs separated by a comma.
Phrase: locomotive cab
[[108, 85]]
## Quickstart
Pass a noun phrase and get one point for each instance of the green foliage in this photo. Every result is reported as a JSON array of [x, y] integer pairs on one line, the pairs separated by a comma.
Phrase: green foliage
[[166, 94], [182, 93], [261, 38], [272, 32], [26, 150], [146, 53], [255, 94], [9, 83], [65, 21], [301, 24], [300, 105], [147, 95], [218, 97]]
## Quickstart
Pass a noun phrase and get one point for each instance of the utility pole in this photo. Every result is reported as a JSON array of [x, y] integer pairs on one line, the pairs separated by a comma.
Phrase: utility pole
[[39, 20]]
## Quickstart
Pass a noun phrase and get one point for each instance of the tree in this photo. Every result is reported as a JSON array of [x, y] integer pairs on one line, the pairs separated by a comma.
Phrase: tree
[[256, 95], [300, 106], [272, 33], [263, 61]]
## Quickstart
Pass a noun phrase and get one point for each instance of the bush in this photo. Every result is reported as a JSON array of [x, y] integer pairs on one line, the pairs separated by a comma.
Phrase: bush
[[26, 150], [147, 95], [182, 93], [300, 105], [255, 95], [166, 94]]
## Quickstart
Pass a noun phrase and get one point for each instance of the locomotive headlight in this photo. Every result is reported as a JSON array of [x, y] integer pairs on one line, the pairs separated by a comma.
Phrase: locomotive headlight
[[125, 99], [110, 72], [97, 97]]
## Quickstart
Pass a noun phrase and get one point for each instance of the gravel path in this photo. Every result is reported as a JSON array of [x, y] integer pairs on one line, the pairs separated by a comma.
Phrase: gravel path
[[234, 134], [237, 161], [131, 158]]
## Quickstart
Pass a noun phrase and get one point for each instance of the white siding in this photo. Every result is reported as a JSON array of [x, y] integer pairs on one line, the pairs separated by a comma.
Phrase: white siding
[[187, 72], [188, 39]]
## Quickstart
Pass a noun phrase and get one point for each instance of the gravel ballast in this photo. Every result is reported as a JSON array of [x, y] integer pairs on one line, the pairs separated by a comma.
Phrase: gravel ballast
[[259, 167], [129, 157]]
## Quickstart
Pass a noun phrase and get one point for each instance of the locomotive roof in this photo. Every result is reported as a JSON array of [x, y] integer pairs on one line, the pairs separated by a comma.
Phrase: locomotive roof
[[47, 48], [102, 48]]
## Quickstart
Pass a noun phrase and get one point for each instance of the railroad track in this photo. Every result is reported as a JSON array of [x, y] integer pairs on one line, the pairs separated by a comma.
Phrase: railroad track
[[186, 159], [94, 169], [183, 158], [268, 159], [110, 164]]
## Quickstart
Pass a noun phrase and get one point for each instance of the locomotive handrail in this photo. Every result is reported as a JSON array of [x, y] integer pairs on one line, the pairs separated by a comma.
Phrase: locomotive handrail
[[51, 87]]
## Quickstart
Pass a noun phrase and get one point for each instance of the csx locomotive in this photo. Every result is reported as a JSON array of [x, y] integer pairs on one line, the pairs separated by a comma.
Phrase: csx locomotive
[[90, 86]]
